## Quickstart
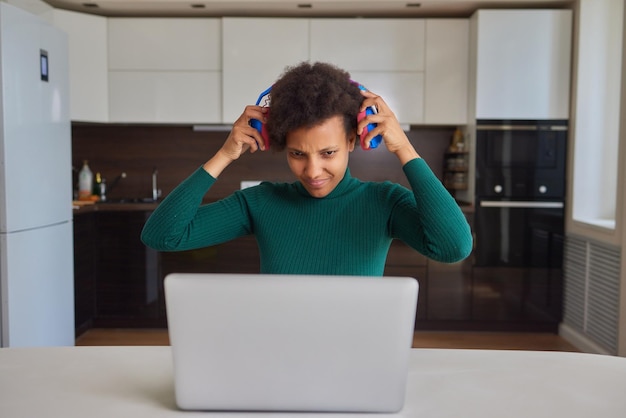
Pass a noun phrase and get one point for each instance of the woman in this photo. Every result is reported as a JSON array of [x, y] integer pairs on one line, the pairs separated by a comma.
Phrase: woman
[[327, 222]]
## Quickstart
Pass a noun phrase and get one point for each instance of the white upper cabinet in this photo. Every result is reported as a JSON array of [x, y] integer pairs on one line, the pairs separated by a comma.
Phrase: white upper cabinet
[[87, 40], [165, 97], [385, 55], [165, 70], [164, 44], [522, 63], [255, 53], [403, 92], [446, 74], [369, 44]]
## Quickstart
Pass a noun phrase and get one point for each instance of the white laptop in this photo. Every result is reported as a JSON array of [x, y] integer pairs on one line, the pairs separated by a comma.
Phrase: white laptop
[[249, 342]]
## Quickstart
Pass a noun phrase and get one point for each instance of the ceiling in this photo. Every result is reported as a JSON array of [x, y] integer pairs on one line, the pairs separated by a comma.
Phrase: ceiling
[[303, 8]]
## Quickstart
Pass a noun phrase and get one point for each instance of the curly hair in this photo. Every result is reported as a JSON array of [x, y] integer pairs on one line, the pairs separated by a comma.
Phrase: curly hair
[[308, 94]]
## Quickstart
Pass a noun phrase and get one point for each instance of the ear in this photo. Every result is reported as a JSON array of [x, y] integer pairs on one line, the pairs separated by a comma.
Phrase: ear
[[351, 141]]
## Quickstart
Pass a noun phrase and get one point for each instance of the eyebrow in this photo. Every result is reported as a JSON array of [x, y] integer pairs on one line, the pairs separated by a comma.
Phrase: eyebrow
[[331, 148]]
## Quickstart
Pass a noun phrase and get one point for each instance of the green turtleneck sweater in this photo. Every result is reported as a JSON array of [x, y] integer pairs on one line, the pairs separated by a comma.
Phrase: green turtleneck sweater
[[347, 232]]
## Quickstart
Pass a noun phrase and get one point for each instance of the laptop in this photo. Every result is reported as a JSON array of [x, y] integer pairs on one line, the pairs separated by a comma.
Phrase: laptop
[[250, 342]]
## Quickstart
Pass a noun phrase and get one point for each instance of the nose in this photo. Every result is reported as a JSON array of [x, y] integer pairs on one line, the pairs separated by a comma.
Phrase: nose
[[313, 167]]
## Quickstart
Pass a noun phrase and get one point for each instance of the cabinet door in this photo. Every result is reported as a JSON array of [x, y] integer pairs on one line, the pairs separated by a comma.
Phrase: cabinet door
[[523, 64], [255, 53], [127, 274], [165, 70], [164, 97], [85, 253], [162, 44], [385, 55], [449, 291], [446, 75], [403, 92], [87, 41], [369, 44]]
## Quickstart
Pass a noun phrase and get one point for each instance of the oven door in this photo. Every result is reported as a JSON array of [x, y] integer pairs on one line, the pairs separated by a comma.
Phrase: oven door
[[521, 161], [519, 233]]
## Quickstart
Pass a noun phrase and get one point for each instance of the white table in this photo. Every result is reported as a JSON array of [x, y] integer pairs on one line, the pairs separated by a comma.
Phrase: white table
[[118, 382]]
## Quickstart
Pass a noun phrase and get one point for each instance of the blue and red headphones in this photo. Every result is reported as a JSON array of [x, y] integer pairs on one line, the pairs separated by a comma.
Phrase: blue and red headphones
[[264, 101]]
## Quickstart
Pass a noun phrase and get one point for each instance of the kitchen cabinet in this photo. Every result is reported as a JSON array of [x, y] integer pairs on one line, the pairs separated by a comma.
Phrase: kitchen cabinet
[[522, 63], [517, 298], [405, 261], [251, 67], [128, 289], [387, 56], [378, 45], [204, 70], [403, 92], [165, 97], [85, 252], [119, 281], [164, 44], [449, 291], [165, 70], [88, 56], [446, 72]]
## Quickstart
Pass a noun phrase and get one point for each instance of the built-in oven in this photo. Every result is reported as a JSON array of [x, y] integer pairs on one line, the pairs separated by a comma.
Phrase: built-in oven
[[520, 190], [521, 159], [519, 222]]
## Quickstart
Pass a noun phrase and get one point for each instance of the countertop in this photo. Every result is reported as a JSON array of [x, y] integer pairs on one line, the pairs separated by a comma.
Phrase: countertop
[[80, 208], [139, 382], [89, 207]]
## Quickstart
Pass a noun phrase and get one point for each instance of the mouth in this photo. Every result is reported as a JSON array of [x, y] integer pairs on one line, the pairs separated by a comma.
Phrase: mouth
[[317, 184]]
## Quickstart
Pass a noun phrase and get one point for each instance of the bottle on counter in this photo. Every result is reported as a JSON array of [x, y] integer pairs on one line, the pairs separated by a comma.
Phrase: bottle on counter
[[85, 182]]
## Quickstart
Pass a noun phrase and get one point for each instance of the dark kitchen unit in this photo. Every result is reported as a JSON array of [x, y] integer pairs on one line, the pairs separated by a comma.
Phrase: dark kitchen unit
[[519, 223]]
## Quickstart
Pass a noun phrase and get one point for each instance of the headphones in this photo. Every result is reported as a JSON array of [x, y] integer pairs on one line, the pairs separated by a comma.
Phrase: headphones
[[264, 101]]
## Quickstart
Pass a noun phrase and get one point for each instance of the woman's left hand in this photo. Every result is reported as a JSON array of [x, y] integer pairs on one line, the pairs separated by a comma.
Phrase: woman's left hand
[[388, 127]]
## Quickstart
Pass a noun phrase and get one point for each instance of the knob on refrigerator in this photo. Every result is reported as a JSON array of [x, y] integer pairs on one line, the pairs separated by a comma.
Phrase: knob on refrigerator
[[543, 189], [497, 188]]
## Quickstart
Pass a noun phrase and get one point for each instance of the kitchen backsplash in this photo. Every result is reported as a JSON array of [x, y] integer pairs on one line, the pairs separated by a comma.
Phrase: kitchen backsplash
[[176, 151]]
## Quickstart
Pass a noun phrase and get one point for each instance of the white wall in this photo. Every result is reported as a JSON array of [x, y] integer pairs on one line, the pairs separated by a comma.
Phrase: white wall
[[596, 212]]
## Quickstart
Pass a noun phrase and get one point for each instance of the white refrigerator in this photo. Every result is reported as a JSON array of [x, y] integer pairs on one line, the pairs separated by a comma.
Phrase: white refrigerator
[[36, 239]]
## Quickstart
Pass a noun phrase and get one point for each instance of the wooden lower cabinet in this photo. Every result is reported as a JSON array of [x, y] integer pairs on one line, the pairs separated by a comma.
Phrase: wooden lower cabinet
[[128, 279], [404, 261], [449, 291], [84, 271], [119, 281], [517, 298]]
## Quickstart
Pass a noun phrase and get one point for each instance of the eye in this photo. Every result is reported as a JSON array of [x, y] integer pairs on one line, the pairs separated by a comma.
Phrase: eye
[[329, 154], [296, 154]]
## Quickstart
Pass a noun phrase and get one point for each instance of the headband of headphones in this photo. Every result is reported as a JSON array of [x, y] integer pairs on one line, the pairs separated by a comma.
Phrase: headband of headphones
[[264, 101]]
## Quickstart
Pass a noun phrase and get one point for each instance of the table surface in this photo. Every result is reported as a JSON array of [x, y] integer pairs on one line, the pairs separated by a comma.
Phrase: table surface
[[138, 382]]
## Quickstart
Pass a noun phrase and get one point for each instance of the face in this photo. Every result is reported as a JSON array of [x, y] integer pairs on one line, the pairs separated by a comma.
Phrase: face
[[318, 156]]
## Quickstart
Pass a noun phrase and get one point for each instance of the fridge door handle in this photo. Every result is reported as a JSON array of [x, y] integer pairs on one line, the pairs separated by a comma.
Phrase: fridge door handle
[[520, 204]]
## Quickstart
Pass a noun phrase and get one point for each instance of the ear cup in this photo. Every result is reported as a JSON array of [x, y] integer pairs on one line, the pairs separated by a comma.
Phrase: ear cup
[[376, 140], [259, 126], [263, 100], [368, 111]]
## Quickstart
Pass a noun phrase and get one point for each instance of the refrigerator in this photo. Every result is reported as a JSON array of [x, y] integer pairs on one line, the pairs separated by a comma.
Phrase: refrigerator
[[36, 231]]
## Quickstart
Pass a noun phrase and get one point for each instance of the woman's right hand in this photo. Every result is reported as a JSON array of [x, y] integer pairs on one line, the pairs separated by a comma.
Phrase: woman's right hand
[[244, 137]]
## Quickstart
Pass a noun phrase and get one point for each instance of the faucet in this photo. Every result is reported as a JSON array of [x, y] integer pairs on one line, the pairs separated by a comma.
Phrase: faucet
[[156, 192], [110, 187]]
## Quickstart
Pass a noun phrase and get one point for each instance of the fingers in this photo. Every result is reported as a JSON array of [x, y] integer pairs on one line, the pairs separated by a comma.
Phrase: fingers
[[386, 123], [244, 137]]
